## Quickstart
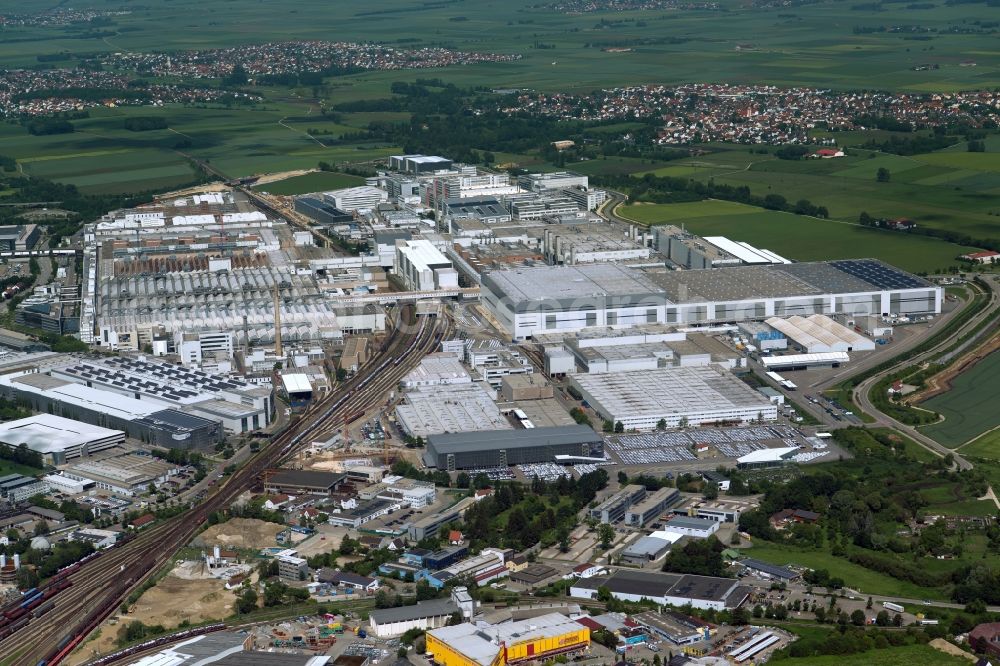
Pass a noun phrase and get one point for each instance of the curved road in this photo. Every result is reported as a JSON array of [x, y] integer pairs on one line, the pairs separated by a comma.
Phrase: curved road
[[862, 392]]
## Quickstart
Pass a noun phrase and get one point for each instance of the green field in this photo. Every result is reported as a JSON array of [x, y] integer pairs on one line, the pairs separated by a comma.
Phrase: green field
[[318, 181], [8, 467], [796, 237], [911, 655], [858, 578], [986, 445], [969, 408]]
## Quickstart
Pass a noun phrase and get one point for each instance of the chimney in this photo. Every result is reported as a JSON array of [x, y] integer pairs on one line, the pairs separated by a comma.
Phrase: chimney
[[17, 561]]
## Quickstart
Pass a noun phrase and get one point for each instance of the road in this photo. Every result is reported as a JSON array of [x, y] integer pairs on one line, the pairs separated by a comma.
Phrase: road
[[101, 585], [862, 392]]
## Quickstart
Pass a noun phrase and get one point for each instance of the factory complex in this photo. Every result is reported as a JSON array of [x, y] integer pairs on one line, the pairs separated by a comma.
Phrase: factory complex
[[541, 637]]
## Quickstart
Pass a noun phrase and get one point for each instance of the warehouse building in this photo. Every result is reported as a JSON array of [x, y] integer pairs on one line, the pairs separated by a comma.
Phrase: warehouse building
[[302, 482], [588, 244], [58, 439], [451, 408], [532, 300], [678, 396], [789, 362], [698, 528], [425, 615], [650, 548], [321, 211], [351, 199], [665, 589], [364, 512], [19, 238], [128, 475], [499, 448], [819, 334], [540, 638], [19, 488]]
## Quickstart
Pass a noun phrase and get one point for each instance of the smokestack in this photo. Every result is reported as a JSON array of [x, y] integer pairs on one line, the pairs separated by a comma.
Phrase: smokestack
[[277, 325], [17, 561]]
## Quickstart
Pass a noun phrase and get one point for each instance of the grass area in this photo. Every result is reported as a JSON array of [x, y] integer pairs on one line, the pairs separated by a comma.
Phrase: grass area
[[969, 407], [986, 445], [857, 577], [8, 467], [797, 237], [911, 655], [914, 450], [318, 181]]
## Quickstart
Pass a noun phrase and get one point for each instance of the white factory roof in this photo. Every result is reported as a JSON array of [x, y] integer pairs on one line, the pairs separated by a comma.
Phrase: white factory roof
[[742, 251], [667, 535], [47, 433], [767, 455], [296, 382], [817, 330], [422, 253], [805, 359]]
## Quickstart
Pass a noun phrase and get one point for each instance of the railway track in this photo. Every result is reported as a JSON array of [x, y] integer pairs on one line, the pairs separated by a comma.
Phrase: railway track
[[102, 584]]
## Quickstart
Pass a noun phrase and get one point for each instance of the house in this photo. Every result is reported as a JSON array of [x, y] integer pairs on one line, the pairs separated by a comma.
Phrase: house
[[392, 544], [984, 257], [900, 224], [587, 570], [346, 579], [828, 153], [454, 537], [274, 502], [142, 521], [483, 492], [517, 563], [985, 638], [785, 516], [371, 542]]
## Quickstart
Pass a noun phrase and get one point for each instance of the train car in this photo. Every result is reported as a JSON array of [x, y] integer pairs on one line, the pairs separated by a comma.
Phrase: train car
[[15, 613], [43, 609]]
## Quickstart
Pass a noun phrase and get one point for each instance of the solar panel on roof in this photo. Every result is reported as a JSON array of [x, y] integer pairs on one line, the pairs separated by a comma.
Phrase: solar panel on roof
[[878, 274]]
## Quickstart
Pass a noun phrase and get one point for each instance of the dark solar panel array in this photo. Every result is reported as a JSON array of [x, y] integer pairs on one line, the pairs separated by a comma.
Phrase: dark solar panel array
[[878, 274]]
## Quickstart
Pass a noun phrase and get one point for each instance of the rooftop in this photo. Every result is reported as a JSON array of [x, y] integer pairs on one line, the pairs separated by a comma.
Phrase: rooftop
[[512, 439], [46, 433]]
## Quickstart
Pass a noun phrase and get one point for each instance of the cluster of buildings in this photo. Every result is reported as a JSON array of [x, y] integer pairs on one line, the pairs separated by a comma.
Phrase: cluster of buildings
[[23, 91], [756, 114], [275, 58]]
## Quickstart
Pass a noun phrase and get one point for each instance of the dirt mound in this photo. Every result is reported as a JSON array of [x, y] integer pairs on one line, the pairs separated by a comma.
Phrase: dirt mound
[[239, 533]]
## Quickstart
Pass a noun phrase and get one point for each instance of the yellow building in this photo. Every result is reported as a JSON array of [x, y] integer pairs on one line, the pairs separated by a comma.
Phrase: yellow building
[[516, 642]]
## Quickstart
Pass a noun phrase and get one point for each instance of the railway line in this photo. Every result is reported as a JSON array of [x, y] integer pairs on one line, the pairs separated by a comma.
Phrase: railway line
[[100, 585]]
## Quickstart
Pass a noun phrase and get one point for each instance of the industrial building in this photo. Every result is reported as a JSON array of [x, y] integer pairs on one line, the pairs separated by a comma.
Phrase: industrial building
[[531, 300], [351, 199], [364, 512], [419, 164], [650, 508], [819, 334], [422, 267], [291, 566], [321, 211], [449, 408], [146, 420], [650, 548], [19, 238], [698, 528], [555, 180], [437, 369], [58, 439], [539, 638], [239, 406], [791, 362], [677, 396], [499, 448], [297, 388], [302, 482], [428, 526], [767, 457], [425, 615], [18, 488], [666, 589], [677, 628], [127, 475], [613, 508], [591, 243], [486, 209]]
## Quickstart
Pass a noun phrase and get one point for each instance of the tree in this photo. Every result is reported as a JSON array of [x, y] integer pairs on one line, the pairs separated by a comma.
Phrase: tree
[[606, 534], [869, 604], [661, 424], [247, 601], [41, 528], [858, 618], [897, 620], [710, 491], [619, 427], [622, 478], [882, 175]]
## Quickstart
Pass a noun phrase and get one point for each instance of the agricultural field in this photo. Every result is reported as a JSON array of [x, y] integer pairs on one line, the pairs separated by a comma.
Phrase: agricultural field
[[318, 181], [986, 445], [969, 408], [911, 655], [797, 237]]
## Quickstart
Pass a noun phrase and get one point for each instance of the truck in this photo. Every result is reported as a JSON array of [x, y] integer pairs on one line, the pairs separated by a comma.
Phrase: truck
[[888, 605]]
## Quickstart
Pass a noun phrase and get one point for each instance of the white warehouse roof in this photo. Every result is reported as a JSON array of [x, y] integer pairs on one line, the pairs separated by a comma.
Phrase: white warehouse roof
[[767, 455], [742, 251], [818, 333], [805, 359], [296, 382], [46, 433]]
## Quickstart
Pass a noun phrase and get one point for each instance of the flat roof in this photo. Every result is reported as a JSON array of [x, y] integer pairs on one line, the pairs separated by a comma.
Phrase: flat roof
[[46, 433], [742, 251], [768, 568], [296, 382], [767, 455], [567, 282], [512, 439], [648, 546], [679, 390], [304, 478], [690, 523], [804, 359]]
